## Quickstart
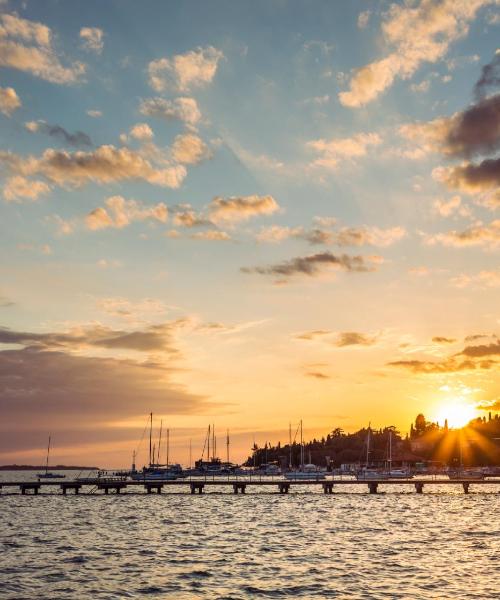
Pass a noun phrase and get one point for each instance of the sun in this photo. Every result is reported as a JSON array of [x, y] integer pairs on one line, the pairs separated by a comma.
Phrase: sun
[[457, 412]]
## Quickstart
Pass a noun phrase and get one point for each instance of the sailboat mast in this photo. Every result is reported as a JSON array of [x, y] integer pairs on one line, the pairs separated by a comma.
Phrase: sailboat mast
[[390, 450], [290, 444], [214, 449], [227, 447], [47, 461], [159, 442], [150, 437], [190, 452], [368, 446], [301, 446], [168, 446], [208, 450]]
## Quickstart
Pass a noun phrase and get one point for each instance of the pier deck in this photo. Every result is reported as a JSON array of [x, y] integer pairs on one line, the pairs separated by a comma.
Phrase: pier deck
[[238, 485]]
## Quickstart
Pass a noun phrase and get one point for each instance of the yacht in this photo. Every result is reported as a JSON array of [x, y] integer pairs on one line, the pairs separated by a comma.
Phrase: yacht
[[48, 474]]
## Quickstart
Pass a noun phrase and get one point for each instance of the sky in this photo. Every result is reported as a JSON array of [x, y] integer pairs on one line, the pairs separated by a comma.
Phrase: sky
[[244, 214]]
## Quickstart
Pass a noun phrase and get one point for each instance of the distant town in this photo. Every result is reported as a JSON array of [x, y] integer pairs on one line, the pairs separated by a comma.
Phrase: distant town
[[428, 443]]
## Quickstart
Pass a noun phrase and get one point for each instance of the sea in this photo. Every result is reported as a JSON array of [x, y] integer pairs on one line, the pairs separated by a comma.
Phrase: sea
[[305, 544]]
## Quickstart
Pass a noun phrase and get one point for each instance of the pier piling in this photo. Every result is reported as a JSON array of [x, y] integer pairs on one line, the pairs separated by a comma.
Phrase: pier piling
[[373, 487], [465, 485], [419, 487]]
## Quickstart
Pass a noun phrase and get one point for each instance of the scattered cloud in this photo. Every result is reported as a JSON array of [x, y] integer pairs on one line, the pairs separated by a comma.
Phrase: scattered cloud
[[19, 188], [189, 149], [120, 213], [128, 310], [241, 208], [352, 338], [27, 46], [418, 33], [490, 76], [331, 152], [212, 235], [77, 139], [184, 72], [345, 236], [481, 280], [477, 235], [482, 350], [185, 216], [9, 100], [471, 178], [438, 339], [181, 109], [92, 39], [142, 132], [105, 164], [314, 264], [364, 18], [95, 114], [471, 132]]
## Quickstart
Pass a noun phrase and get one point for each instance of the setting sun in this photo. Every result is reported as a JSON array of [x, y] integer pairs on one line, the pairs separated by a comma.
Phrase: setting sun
[[456, 412]]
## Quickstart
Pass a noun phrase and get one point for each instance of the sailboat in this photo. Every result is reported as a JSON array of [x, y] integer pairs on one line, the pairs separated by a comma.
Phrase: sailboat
[[306, 471], [368, 472], [395, 473], [155, 470], [48, 474]]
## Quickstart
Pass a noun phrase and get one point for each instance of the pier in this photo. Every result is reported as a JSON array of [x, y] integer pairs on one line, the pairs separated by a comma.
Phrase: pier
[[238, 485]]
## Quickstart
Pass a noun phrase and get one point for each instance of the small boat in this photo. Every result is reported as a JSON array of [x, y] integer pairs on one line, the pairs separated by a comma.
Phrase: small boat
[[48, 474], [309, 472], [466, 474]]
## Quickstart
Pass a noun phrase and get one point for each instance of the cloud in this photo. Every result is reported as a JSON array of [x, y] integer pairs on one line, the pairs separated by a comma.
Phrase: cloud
[[141, 131], [124, 308], [241, 208], [483, 279], [5, 302], [19, 187], [346, 236], [340, 339], [184, 72], [438, 339], [27, 46], [317, 375], [189, 149], [446, 208], [482, 350], [92, 39], [9, 101], [105, 164], [352, 338], [315, 264], [337, 149], [313, 335], [182, 109], [95, 114], [77, 139], [471, 178], [363, 19], [154, 338], [490, 76], [492, 404], [476, 235], [470, 358], [212, 235], [47, 390], [185, 216], [471, 132], [449, 365], [418, 33], [120, 213]]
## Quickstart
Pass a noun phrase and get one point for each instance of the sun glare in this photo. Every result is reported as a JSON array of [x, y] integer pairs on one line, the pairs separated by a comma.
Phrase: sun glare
[[456, 412]]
